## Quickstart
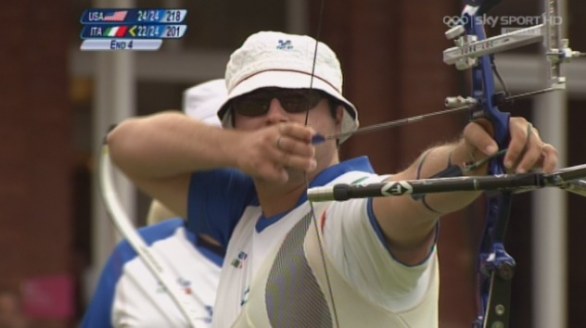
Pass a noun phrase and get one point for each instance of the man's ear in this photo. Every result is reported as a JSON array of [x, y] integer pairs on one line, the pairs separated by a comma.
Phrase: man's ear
[[340, 112]]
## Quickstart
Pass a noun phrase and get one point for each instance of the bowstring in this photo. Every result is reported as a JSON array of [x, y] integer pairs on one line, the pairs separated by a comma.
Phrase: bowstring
[[312, 208]]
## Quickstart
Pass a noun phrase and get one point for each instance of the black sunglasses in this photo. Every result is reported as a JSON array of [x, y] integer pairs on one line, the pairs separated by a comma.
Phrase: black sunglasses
[[257, 103]]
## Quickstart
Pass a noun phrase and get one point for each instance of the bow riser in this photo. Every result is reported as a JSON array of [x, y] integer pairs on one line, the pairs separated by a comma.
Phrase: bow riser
[[495, 266]]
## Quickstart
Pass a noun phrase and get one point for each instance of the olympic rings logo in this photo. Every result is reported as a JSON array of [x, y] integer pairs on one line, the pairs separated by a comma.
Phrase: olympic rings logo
[[452, 21]]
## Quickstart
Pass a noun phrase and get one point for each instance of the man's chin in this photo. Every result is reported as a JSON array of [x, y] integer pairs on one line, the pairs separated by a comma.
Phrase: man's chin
[[296, 175]]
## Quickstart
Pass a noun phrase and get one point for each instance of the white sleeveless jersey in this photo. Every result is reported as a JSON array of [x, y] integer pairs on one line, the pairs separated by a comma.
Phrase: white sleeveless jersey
[[128, 295], [274, 276]]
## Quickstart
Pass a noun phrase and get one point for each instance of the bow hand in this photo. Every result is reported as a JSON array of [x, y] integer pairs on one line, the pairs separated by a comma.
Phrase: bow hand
[[525, 150]]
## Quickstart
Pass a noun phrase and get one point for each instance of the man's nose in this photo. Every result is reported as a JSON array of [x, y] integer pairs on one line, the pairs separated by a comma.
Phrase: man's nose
[[276, 112]]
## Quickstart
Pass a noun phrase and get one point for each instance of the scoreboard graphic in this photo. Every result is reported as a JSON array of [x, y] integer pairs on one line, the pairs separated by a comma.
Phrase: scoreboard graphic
[[130, 29]]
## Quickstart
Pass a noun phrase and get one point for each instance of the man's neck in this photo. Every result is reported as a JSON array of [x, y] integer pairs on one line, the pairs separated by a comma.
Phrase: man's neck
[[279, 198]]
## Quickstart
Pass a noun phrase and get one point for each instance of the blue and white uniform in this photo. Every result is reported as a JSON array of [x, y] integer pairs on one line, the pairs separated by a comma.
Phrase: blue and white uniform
[[128, 294], [274, 274]]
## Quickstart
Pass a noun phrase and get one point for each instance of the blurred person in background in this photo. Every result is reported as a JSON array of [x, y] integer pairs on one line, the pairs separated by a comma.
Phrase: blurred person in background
[[128, 294]]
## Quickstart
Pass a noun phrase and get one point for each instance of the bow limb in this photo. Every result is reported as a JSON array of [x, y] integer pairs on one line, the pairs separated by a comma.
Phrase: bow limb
[[166, 277]]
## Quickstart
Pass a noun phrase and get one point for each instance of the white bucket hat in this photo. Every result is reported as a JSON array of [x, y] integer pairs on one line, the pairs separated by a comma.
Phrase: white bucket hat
[[275, 59], [203, 101]]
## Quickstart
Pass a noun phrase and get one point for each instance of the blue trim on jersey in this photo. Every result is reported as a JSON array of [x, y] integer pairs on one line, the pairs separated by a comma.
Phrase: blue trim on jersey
[[375, 225], [208, 253], [360, 164], [166, 229], [264, 222], [99, 312], [218, 198], [216, 202], [379, 233]]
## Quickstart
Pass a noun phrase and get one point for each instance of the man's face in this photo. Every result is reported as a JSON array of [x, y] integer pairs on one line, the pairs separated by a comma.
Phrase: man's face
[[269, 106]]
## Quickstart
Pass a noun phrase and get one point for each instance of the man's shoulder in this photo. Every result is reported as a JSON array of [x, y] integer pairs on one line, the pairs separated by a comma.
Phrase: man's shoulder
[[161, 230], [345, 172], [151, 234]]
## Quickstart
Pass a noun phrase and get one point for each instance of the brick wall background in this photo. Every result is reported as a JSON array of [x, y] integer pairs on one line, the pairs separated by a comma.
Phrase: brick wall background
[[35, 143]]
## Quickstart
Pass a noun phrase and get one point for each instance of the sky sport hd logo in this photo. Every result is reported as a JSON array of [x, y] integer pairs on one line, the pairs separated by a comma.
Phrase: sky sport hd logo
[[502, 21]]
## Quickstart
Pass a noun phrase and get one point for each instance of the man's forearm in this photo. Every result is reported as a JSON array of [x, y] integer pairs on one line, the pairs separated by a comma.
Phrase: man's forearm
[[169, 144], [440, 158]]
